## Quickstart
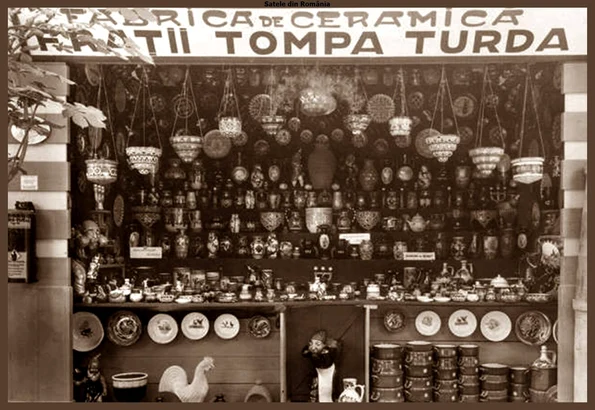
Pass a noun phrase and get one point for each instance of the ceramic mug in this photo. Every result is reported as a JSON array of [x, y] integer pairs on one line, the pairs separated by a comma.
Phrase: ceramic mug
[[446, 384], [519, 374], [468, 350], [418, 371], [443, 350]]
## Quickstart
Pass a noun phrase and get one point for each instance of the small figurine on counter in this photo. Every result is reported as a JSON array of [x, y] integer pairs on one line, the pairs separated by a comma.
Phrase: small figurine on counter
[[94, 382], [297, 169], [323, 352], [424, 177], [175, 380], [87, 240]]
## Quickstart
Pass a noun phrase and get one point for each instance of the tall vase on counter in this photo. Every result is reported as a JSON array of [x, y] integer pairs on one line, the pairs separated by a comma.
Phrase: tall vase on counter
[[321, 164]]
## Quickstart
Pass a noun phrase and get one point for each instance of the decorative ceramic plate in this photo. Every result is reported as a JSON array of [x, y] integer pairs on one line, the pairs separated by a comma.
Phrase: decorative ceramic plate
[[195, 326], [337, 135], [124, 328], [118, 210], [93, 74], [261, 147], [182, 105], [495, 326], [87, 331], [259, 327], [158, 103], [216, 145], [120, 96], [555, 331], [240, 140], [306, 136], [533, 328], [162, 328], [431, 76], [227, 326], [381, 146], [381, 108], [462, 323], [259, 105], [428, 323], [415, 101], [497, 135], [283, 137], [35, 136], [466, 134], [294, 124], [464, 106], [394, 321], [420, 142]]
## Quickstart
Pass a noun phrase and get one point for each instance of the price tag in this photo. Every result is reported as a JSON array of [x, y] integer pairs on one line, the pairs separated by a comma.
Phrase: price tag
[[29, 183], [354, 238], [419, 256], [153, 252]]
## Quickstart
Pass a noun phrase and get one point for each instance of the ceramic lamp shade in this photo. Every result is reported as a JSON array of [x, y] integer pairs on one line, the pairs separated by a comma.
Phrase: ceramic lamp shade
[[357, 123], [144, 159], [271, 124], [486, 158], [315, 102], [230, 127], [400, 126], [527, 170], [101, 171], [186, 146], [442, 146]]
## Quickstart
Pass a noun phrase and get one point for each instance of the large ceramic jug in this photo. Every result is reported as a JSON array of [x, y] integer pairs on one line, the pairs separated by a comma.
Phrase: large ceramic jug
[[321, 165]]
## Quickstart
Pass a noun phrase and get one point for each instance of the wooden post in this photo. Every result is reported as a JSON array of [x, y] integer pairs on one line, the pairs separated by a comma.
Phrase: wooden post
[[579, 305], [282, 358], [367, 350]]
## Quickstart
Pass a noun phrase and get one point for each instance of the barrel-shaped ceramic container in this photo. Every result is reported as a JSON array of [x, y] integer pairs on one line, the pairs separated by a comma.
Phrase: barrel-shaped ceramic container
[[520, 374], [418, 395], [445, 374], [446, 384], [446, 363], [543, 379], [494, 386], [446, 395], [494, 369], [493, 378], [418, 346], [470, 389], [518, 390], [469, 398], [418, 382], [469, 370], [413, 358], [387, 380], [468, 361], [387, 351], [386, 366], [418, 371], [445, 350], [494, 395], [468, 350], [387, 395]]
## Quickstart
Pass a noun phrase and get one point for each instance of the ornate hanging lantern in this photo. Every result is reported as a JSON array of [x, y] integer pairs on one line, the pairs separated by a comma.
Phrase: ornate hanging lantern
[[230, 122], [355, 121], [272, 123], [400, 125]]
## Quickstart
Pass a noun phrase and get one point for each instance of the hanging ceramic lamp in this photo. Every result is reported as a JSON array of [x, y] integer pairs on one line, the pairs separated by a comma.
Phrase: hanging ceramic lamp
[[357, 123], [186, 145], [230, 123], [271, 124], [400, 125]]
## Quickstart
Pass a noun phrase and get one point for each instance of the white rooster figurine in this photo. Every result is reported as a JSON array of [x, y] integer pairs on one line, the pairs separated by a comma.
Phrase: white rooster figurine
[[174, 380]]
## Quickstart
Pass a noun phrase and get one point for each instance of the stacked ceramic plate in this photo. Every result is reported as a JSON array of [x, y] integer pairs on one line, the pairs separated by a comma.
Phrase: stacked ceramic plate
[[386, 374]]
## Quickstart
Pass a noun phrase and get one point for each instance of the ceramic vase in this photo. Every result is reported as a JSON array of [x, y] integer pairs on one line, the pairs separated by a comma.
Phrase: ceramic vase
[[458, 247], [181, 246], [507, 243], [368, 176], [321, 166], [257, 247], [366, 250], [490, 246]]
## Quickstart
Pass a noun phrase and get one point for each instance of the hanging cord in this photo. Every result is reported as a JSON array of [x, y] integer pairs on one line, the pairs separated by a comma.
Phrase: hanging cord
[[360, 83], [438, 97], [495, 107], [109, 117], [269, 91], [524, 113], [481, 114], [194, 105], [134, 113], [184, 98], [400, 90], [153, 110], [452, 108], [535, 109]]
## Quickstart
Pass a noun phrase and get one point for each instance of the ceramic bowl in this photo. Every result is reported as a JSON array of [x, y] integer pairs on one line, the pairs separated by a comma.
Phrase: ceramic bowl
[[527, 170], [387, 351], [130, 387], [494, 369], [538, 297], [271, 220], [367, 219], [144, 159], [357, 123], [186, 146], [230, 127], [101, 171], [318, 216]]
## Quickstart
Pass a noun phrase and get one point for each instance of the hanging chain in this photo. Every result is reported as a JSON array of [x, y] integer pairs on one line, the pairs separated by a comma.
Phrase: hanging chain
[[109, 117], [400, 90], [535, 109], [438, 97], [153, 111], [495, 107], [137, 99], [452, 108], [524, 113], [481, 113]]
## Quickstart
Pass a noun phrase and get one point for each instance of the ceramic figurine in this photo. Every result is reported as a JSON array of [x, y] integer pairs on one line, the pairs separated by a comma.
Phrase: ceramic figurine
[[175, 380], [297, 169], [213, 244], [323, 352], [250, 200], [424, 177], [87, 240], [95, 385], [272, 246]]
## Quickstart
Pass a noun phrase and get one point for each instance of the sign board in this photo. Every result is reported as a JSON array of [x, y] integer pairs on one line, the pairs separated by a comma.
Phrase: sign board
[[328, 32], [354, 238], [419, 256], [152, 252], [29, 183]]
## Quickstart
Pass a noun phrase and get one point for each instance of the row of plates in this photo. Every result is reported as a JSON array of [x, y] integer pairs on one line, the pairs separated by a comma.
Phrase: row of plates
[[531, 327], [124, 328]]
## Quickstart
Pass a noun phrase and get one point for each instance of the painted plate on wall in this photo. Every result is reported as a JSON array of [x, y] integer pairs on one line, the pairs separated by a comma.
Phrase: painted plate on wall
[[533, 328], [118, 210], [495, 326], [124, 328], [428, 323], [195, 326], [555, 331], [394, 321], [87, 331], [259, 327], [227, 326], [420, 142], [216, 145], [162, 328], [462, 323]]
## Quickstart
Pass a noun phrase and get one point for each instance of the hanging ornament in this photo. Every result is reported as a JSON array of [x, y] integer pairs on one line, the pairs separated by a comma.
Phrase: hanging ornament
[[400, 125], [486, 158], [271, 122], [441, 145], [186, 145], [357, 122], [527, 170], [230, 123]]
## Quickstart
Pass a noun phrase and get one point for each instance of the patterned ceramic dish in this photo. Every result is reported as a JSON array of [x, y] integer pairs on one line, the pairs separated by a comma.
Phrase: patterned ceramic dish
[[533, 328], [87, 331], [124, 328], [195, 326], [394, 321], [462, 323], [495, 326], [162, 328], [259, 327], [227, 326], [428, 323]]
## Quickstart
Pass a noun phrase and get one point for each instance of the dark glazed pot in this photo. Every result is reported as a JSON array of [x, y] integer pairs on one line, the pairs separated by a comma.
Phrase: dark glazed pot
[[387, 380], [386, 351], [130, 387]]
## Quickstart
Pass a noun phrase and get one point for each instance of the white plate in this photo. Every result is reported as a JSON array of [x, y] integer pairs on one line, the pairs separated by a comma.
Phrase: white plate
[[441, 299], [462, 323], [495, 326], [162, 328], [34, 137], [555, 331], [424, 299], [87, 331], [428, 323], [227, 326], [195, 326]]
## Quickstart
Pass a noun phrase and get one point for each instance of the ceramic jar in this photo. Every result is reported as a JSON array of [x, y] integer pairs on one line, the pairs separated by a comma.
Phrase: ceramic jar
[[490, 246], [321, 165], [295, 223], [257, 247], [368, 177], [458, 247], [181, 245], [391, 200], [197, 175], [344, 221], [366, 249]]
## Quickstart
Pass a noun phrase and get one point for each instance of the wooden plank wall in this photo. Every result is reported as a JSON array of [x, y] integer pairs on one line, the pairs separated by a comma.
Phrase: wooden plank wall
[[574, 136], [239, 362], [39, 343]]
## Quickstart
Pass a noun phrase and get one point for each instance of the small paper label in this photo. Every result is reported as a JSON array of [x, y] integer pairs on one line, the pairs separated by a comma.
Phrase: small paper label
[[153, 252], [419, 256], [29, 183], [354, 238]]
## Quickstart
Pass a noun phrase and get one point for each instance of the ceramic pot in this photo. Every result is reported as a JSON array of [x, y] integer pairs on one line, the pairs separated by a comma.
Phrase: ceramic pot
[[446, 396], [368, 176], [494, 369], [366, 250], [468, 350], [519, 375], [367, 219], [494, 386], [386, 366], [418, 395], [470, 389], [318, 216], [387, 380], [321, 166], [447, 363], [387, 351], [130, 387], [271, 220], [445, 374], [418, 371], [387, 395], [344, 221], [518, 390]]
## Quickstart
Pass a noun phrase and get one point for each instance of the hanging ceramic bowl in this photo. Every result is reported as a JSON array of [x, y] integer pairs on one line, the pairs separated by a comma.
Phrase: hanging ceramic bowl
[[428, 323], [486, 158], [101, 171], [227, 326], [420, 142], [462, 323], [533, 328], [495, 326], [87, 331], [144, 159], [442, 146], [124, 328], [162, 328], [216, 145], [315, 102], [357, 123], [230, 127], [381, 108], [259, 327], [400, 126], [271, 124], [186, 146], [195, 326], [527, 170]]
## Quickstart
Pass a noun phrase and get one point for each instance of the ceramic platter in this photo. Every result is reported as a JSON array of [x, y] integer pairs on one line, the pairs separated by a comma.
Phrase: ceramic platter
[[227, 326], [162, 328], [124, 328], [555, 331], [216, 145], [462, 323], [495, 326], [118, 210], [259, 327], [428, 323], [87, 331], [394, 321], [533, 328], [420, 142], [195, 326], [381, 108]]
